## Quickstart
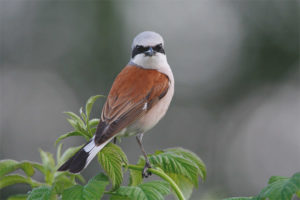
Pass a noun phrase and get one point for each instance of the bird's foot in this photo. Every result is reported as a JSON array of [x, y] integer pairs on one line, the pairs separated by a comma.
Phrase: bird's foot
[[146, 173]]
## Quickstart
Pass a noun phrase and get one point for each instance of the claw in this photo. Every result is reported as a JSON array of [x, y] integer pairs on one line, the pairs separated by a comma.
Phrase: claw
[[145, 173]]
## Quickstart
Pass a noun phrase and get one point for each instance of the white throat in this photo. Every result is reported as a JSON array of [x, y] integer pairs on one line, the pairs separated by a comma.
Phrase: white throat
[[158, 62]]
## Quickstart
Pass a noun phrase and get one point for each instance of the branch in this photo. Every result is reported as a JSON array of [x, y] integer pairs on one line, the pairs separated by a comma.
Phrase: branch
[[163, 175]]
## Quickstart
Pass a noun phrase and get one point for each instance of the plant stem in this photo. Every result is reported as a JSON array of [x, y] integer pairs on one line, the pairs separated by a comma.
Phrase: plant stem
[[164, 176]]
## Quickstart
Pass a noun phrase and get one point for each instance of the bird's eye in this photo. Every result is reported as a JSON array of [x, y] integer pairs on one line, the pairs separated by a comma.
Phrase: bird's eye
[[159, 48], [140, 49], [137, 50]]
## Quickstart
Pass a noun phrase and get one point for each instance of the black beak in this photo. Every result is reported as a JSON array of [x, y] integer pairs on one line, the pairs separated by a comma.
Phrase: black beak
[[150, 52]]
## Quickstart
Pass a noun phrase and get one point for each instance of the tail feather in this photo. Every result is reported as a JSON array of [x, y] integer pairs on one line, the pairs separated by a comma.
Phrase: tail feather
[[83, 157]]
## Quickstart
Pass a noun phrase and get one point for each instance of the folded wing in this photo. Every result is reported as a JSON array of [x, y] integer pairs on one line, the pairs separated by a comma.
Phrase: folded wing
[[134, 92]]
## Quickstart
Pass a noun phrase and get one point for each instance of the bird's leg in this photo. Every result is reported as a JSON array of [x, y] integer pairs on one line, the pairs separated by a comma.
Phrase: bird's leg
[[145, 172], [115, 140]]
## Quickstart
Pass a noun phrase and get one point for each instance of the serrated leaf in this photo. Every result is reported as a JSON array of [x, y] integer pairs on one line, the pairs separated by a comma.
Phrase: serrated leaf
[[76, 118], [74, 133], [18, 197], [192, 157], [155, 189], [68, 154], [74, 193], [94, 122], [15, 179], [93, 190], [41, 193], [8, 166], [89, 104], [281, 188], [172, 163], [120, 152], [145, 191], [112, 158]]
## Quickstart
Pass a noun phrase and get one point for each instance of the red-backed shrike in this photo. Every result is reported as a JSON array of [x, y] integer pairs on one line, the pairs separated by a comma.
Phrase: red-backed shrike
[[139, 98]]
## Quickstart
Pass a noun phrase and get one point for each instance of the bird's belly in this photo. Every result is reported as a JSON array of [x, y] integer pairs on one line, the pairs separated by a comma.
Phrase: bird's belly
[[152, 117]]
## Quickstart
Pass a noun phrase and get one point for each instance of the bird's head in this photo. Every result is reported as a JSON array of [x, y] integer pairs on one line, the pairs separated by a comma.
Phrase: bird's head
[[148, 49]]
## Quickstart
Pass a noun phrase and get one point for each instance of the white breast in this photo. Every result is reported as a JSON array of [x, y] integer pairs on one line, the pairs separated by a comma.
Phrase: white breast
[[156, 112], [152, 117]]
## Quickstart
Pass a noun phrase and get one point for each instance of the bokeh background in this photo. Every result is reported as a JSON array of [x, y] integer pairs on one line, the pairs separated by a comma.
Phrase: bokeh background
[[236, 68]]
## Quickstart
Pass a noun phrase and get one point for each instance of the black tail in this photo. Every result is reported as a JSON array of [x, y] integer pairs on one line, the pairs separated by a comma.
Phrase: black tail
[[83, 157], [76, 163]]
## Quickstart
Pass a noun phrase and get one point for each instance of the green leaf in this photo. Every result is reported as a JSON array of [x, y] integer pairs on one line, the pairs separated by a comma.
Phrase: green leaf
[[172, 163], [89, 104], [39, 167], [41, 193], [18, 197], [192, 157], [8, 166], [83, 116], [145, 191], [94, 122], [76, 118], [27, 168], [93, 130], [68, 154], [58, 152], [15, 179], [281, 188], [273, 179], [118, 197], [135, 177], [73, 123], [74, 193], [62, 181], [47, 159], [74, 133], [80, 178], [48, 166], [112, 158], [93, 190], [183, 166], [77, 126]]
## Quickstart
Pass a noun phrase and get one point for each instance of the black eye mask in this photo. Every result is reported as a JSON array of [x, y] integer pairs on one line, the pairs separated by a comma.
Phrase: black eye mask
[[141, 49]]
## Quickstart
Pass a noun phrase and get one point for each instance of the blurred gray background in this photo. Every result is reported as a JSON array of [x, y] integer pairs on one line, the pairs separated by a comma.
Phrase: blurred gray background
[[236, 68]]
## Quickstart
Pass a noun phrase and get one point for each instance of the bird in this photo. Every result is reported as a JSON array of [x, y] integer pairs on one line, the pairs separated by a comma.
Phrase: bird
[[139, 97]]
